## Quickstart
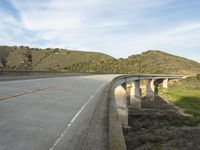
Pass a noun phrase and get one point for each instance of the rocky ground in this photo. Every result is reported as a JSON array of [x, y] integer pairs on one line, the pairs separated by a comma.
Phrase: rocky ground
[[160, 126]]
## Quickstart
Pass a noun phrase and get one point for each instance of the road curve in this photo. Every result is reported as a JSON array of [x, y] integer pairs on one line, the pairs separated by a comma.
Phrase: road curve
[[50, 113]]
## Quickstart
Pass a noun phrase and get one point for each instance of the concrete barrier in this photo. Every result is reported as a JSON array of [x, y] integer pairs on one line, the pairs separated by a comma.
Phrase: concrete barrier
[[116, 137], [7, 75], [16, 73]]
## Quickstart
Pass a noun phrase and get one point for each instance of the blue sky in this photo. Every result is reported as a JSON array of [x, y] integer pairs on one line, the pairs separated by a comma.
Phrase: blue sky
[[116, 27]]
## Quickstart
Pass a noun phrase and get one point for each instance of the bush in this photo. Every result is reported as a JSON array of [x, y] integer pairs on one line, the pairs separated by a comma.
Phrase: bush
[[198, 76]]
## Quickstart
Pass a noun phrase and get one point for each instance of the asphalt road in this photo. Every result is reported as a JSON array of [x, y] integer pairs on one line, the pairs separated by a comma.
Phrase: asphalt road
[[50, 113]]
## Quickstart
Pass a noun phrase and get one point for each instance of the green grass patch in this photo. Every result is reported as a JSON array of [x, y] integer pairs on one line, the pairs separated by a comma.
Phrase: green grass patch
[[185, 94]]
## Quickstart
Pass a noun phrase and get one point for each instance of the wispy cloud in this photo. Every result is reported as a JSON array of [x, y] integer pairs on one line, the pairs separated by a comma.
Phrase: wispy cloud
[[119, 28], [6, 6]]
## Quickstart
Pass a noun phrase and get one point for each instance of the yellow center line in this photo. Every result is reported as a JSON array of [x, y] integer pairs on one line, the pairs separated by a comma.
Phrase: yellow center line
[[26, 93]]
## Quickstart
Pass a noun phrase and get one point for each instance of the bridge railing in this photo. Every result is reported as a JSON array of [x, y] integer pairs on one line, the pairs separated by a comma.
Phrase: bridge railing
[[116, 137], [15, 73], [8, 74]]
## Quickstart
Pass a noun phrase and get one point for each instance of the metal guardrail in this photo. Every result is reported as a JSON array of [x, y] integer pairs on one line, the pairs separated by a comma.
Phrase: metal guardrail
[[9, 75], [13, 73], [20, 73], [16, 73]]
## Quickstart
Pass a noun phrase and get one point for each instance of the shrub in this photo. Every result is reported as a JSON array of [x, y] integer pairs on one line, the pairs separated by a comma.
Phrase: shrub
[[198, 76]]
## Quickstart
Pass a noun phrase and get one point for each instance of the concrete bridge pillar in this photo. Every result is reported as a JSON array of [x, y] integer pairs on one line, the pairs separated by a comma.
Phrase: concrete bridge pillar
[[150, 88], [165, 83], [135, 94], [122, 104]]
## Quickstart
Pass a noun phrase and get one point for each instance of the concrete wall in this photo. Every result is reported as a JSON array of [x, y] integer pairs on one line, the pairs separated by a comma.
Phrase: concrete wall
[[116, 137], [122, 104]]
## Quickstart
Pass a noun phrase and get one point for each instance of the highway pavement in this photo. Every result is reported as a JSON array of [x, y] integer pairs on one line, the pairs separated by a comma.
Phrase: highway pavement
[[48, 113]]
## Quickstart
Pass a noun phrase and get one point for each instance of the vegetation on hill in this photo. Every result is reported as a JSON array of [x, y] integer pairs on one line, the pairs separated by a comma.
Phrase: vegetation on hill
[[185, 94], [155, 62], [48, 59]]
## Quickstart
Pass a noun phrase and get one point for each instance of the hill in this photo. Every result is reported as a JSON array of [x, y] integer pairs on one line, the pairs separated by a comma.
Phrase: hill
[[150, 62], [47, 59], [155, 62], [161, 62]]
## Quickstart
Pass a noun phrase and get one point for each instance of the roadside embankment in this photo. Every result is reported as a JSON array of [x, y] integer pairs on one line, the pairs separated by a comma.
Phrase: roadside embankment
[[185, 94], [159, 125]]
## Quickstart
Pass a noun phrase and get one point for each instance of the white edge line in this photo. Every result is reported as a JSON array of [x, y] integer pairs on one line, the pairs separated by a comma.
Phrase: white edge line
[[74, 118]]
